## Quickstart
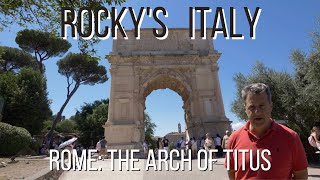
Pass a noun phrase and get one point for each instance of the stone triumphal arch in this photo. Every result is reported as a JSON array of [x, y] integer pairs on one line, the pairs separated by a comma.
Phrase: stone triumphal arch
[[138, 67]]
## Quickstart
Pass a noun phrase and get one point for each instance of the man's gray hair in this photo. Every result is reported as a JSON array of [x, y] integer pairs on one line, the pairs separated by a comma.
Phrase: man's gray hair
[[256, 88]]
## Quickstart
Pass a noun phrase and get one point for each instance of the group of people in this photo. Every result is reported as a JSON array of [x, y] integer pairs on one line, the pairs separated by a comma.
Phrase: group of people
[[163, 144], [207, 143], [216, 143], [100, 146], [44, 149], [191, 144]]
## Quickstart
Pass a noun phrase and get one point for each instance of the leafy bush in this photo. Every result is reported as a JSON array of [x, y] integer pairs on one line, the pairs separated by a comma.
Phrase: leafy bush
[[13, 139], [26, 102], [66, 126], [46, 125]]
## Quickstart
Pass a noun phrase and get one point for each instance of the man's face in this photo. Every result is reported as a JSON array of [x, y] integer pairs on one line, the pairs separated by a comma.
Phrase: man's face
[[258, 109]]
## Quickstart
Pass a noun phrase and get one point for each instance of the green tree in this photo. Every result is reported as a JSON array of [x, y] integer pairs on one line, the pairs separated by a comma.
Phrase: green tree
[[67, 126], [47, 124], [89, 121], [307, 78], [26, 104], [13, 59], [43, 45], [149, 128], [281, 84], [79, 69], [45, 14]]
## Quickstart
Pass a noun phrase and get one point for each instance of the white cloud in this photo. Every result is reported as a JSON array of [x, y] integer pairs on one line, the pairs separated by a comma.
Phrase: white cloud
[[237, 125]]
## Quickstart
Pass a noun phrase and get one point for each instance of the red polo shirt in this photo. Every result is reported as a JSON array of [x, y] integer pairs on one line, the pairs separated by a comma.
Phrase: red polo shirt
[[287, 153]]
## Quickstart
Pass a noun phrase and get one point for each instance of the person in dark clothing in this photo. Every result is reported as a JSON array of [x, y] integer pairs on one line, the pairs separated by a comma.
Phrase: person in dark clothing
[[165, 144]]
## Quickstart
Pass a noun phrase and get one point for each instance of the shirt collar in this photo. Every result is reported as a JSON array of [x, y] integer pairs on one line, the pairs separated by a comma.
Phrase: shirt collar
[[246, 126], [272, 128]]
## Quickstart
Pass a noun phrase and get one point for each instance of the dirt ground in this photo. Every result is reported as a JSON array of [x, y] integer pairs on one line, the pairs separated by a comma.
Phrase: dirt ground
[[21, 169]]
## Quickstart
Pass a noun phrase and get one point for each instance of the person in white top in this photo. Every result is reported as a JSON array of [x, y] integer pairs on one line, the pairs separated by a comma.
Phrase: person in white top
[[209, 143], [183, 145], [314, 138], [145, 149], [194, 147], [225, 140]]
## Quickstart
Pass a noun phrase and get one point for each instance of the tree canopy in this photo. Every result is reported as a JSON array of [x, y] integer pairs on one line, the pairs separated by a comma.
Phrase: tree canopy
[[43, 45], [45, 14], [90, 119], [82, 69], [281, 84], [67, 126], [13, 59], [26, 103], [149, 128], [78, 69]]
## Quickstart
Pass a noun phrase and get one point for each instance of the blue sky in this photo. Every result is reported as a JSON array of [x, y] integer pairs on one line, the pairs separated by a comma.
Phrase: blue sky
[[283, 26]]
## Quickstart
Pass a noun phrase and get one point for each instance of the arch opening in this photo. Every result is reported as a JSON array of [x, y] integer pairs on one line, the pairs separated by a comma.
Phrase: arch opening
[[164, 107], [175, 84], [166, 81]]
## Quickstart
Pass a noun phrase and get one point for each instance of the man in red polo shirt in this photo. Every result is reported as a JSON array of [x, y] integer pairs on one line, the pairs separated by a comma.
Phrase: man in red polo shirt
[[270, 150]]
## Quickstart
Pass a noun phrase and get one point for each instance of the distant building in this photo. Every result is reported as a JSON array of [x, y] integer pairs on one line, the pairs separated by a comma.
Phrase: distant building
[[174, 136]]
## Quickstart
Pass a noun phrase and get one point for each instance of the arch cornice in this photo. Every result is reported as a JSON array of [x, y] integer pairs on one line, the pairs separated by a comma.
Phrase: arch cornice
[[140, 60]]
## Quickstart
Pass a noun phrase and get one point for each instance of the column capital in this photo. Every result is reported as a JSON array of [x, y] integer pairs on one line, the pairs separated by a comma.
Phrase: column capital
[[113, 69], [215, 67]]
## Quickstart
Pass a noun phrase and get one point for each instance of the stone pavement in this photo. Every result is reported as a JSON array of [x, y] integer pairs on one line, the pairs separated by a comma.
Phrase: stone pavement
[[218, 172]]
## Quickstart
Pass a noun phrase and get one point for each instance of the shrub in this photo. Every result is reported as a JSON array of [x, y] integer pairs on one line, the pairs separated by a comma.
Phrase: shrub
[[66, 126], [47, 125], [35, 146], [13, 139]]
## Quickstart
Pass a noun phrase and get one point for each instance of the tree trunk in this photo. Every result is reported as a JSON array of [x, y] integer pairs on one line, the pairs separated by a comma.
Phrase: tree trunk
[[59, 115], [41, 67]]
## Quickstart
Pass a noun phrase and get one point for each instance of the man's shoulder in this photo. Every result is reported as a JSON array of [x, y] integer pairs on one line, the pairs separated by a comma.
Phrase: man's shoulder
[[237, 132], [236, 135], [284, 130]]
